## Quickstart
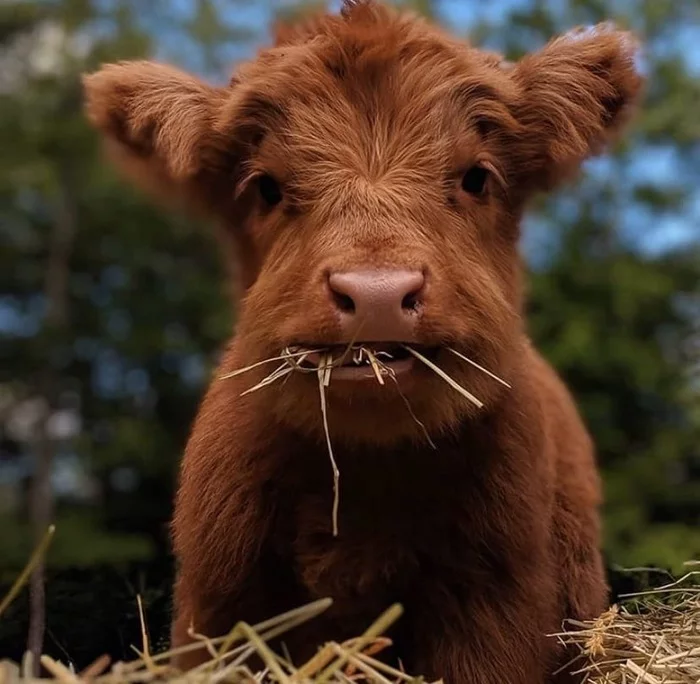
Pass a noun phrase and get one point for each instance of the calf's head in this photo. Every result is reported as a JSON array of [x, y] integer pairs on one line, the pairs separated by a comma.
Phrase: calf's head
[[367, 174]]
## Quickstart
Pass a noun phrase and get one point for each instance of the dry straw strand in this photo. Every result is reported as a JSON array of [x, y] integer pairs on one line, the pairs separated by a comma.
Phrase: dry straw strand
[[327, 366], [334, 465], [146, 651], [59, 671], [34, 560], [276, 374], [479, 367], [411, 411], [97, 667], [285, 355], [444, 376], [375, 367], [264, 651], [376, 629]]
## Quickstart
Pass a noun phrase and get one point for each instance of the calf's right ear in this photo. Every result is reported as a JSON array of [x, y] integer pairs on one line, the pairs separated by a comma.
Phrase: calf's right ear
[[157, 123], [577, 95]]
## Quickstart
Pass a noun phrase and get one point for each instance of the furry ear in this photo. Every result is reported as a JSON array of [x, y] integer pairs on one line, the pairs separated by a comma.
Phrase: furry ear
[[157, 122], [576, 95]]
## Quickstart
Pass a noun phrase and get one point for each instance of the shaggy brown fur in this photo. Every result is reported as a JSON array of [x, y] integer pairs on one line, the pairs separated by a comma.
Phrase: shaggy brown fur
[[363, 126]]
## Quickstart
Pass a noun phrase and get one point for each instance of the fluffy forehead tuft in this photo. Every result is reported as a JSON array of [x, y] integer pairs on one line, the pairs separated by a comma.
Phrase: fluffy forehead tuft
[[368, 48], [372, 92]]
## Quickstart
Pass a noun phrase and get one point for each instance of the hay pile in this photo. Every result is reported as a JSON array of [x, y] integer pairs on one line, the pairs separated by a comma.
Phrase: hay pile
[[653, 637]]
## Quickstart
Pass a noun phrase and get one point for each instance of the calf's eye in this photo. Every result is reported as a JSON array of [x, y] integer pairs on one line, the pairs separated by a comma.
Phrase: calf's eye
[[474, 180], [269, 190]]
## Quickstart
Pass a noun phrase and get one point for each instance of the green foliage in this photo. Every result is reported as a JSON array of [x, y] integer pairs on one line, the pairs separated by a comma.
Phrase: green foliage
[[80, 542], [610, 326], [145, 306]]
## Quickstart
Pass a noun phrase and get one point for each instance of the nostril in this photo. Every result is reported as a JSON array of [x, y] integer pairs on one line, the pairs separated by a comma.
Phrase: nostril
[[410, 301], [343, 302], [341, 292], [415, 282]]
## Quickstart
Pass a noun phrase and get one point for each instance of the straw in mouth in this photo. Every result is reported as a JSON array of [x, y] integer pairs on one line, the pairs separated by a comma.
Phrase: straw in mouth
[[360, 354]]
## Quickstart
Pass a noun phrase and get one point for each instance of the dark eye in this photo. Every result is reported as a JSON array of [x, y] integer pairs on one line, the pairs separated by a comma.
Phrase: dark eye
[[474, 180], [269, 190]]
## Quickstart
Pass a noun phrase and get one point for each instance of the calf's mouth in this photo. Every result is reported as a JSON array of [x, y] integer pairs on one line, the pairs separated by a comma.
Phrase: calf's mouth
[[359, 361], [364, 360]]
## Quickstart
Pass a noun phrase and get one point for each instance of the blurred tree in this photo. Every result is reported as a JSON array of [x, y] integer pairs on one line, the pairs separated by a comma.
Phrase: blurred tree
[[612, 325], [104, 302]]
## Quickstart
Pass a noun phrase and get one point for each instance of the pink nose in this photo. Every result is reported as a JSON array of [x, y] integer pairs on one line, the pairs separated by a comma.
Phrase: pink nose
[[384, 304]]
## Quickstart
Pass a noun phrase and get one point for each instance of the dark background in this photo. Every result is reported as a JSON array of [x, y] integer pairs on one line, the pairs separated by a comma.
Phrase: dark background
[[112, 312]]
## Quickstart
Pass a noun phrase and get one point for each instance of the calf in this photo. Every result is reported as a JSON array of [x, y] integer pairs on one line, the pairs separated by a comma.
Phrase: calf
[[367, 175]]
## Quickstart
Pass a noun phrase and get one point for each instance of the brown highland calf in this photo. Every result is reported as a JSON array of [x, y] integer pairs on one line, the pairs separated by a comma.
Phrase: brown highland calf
[[367, 175]]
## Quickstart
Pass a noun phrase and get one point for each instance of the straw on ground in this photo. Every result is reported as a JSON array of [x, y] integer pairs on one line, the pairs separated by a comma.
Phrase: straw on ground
[[652, 638]]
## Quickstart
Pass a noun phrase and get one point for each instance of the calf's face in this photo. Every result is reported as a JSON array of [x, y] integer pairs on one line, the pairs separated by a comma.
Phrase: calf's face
[[368, 174]]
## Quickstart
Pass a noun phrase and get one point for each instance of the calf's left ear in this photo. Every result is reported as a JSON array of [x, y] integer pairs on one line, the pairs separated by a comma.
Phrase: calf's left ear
[[576, 95], [157, 123]]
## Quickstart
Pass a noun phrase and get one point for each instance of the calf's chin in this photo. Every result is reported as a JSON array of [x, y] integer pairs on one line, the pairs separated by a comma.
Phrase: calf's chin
[[367, 175]]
